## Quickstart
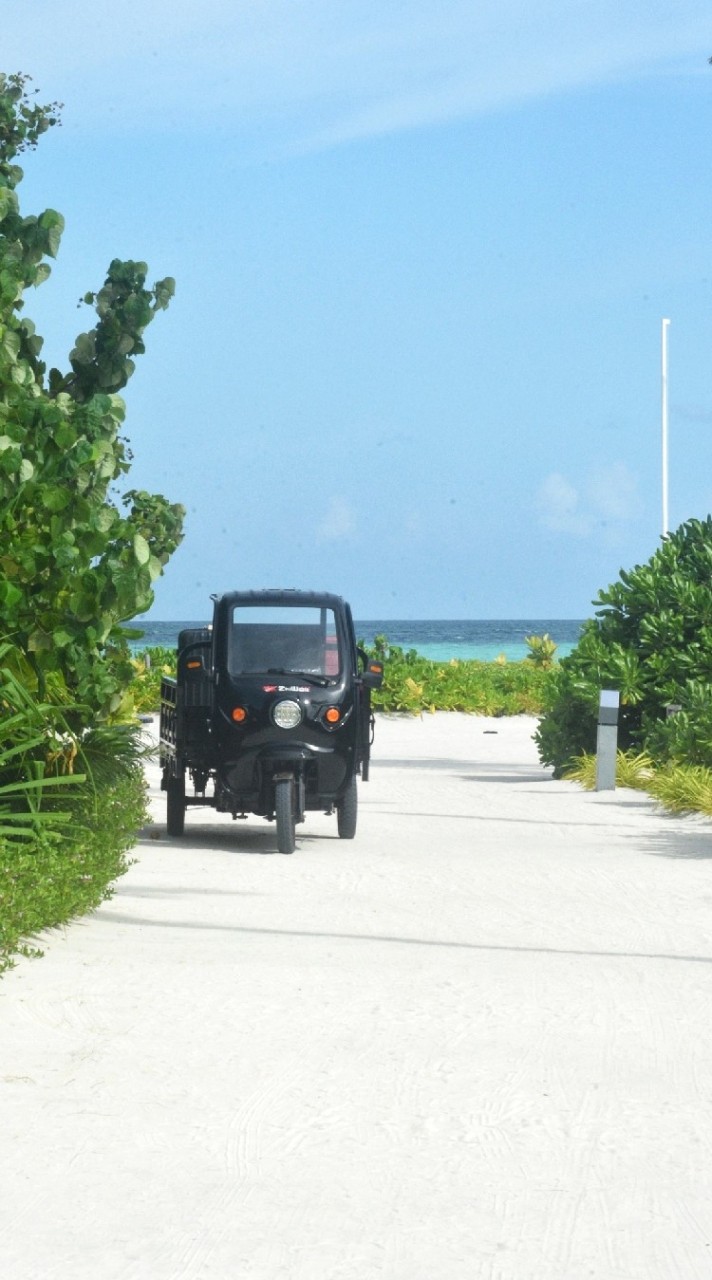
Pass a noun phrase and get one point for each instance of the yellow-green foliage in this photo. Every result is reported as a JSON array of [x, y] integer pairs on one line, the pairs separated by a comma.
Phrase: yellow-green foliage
[[149, 666], [684, 788], [634, 771], [415, 684], [680, 788], [541, 650]]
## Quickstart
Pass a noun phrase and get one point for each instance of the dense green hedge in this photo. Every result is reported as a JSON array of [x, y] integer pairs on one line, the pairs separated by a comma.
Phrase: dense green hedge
[[651, 640]]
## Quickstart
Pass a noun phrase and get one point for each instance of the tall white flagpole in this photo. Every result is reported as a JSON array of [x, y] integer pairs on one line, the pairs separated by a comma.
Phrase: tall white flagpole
[[666, 520]]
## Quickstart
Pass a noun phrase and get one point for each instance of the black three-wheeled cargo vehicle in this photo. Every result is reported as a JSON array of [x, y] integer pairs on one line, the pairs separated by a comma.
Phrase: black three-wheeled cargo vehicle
[[269, 713]]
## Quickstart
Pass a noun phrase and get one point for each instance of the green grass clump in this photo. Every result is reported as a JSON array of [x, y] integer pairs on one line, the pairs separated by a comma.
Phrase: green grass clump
[[678, 787], [62, 874], [684, 788], [633, 771]]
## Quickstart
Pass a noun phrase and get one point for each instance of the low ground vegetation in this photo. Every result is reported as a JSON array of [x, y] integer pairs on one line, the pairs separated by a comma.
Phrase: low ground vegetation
[[70, 806], [679, 788], [416, 685], [63, 873], [412, 684]]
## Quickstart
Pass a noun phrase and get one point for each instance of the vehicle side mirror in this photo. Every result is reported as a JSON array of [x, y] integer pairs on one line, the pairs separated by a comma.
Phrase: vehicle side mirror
[[373, 675]]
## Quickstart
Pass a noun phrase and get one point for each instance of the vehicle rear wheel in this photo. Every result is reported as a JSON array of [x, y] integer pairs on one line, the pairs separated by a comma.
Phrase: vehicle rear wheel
[[347, 812], [175, 805], [284, 813]]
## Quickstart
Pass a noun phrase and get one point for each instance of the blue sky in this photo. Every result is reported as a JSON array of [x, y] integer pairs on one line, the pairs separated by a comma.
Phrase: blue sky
[[422, 255]]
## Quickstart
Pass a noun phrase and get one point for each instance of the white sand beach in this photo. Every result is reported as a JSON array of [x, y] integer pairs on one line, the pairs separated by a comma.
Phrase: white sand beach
[[474, 1043]]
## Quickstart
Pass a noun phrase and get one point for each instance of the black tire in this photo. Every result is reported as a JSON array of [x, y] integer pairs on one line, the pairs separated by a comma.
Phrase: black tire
[[284, 813], [175, 805], [347, 812]]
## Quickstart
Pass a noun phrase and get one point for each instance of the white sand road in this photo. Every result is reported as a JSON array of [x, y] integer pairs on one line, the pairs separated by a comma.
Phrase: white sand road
[[475, 1042]]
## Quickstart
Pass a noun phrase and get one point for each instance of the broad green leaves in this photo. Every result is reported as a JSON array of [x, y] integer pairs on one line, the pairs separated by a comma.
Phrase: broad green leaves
[[52, 224], [10, 344], [142, 551], [10, 596]]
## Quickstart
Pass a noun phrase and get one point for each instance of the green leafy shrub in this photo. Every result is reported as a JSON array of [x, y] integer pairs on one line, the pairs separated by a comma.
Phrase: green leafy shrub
[[686, 735], [149, 666], [35, 746], [74, 565], [541, 650], [415, 684], [652, 641], [70, 806]]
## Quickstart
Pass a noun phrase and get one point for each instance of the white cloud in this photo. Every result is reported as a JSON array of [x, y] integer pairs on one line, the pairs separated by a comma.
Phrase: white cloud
[[610, 499], [325, 71], [339, 521], [559, 506]]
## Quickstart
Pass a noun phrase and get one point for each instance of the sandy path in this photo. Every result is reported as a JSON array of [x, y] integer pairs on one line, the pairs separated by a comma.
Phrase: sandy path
[[474, 1043]]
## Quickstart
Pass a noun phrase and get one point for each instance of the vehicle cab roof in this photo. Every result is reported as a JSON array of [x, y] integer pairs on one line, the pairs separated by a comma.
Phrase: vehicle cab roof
[[280, 596]]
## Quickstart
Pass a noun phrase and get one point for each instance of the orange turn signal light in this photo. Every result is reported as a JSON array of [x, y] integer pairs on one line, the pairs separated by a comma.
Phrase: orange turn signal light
[[332, 715], [239, 714], [196, 664]]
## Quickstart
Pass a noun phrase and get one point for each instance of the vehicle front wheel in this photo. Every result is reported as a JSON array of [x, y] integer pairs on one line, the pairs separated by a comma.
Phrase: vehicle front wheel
[[284, 813], [347, 812], [175, 805]]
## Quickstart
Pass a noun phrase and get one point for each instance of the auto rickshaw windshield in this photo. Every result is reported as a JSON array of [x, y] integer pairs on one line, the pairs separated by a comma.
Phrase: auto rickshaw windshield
[[302, 639]]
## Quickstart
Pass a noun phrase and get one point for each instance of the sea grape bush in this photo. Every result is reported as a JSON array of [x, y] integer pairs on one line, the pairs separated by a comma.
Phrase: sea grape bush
[[74, 563], [651, 639]]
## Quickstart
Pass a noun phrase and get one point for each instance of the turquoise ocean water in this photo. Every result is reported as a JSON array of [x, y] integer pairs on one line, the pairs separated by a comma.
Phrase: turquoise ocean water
[[438, 639]]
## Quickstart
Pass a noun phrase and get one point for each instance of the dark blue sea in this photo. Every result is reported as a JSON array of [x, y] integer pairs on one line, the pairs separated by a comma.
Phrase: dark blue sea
[[438, 639]]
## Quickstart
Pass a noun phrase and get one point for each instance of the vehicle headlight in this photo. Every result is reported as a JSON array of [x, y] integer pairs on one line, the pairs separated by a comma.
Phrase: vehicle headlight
[[287, 714]]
